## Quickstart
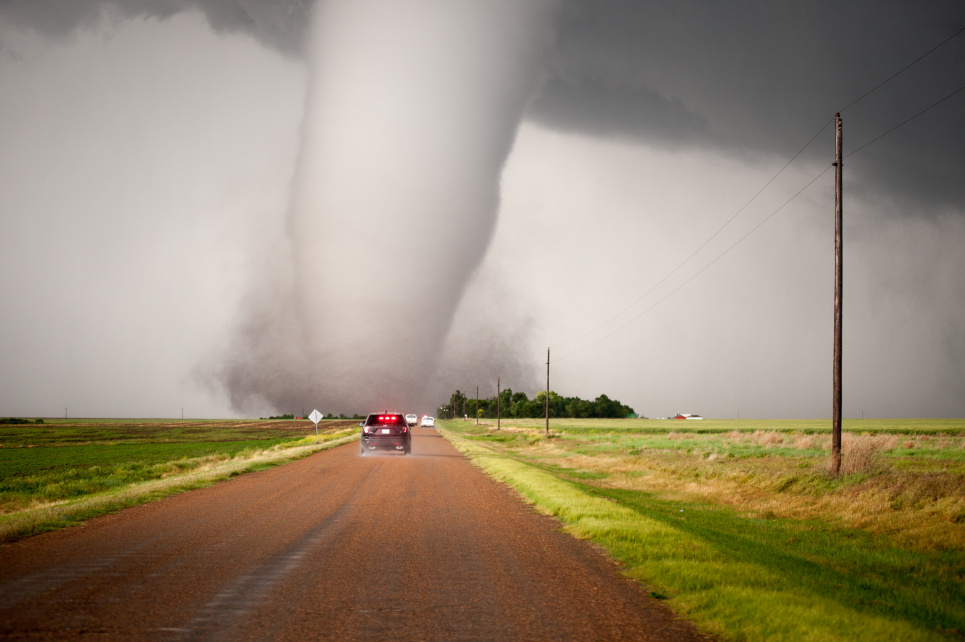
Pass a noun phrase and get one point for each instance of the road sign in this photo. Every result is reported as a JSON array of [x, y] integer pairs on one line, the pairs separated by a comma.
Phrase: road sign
[[316, 417]]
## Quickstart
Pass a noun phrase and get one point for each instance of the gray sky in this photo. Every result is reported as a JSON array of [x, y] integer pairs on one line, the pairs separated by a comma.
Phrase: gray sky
[[171, 172]]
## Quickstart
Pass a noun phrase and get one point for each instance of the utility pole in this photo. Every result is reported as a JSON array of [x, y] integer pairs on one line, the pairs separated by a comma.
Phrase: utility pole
[[547, 392], [477, 405], [838, 295], [499, 414]]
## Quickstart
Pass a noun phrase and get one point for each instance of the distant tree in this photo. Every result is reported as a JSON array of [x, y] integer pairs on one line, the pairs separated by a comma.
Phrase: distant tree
[[457, 401], [578, 408], [518, 405]]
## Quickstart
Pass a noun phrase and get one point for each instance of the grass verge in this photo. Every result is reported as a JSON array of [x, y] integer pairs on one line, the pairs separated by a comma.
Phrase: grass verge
[[98, 485], [736, 573]]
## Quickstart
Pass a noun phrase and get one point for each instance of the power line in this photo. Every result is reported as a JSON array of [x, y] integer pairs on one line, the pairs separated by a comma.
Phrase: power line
[[902, 70], [906, 121], [701, 271], [756, 227], [765, 220], [704, 244], [756, 195]]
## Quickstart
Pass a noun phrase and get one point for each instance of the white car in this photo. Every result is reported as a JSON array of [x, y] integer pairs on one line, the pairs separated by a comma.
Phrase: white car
[[411, 419], [428, 422]]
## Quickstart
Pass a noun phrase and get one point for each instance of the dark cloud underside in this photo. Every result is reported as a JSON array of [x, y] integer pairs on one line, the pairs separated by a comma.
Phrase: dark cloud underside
[[763, 77], [280, 24]]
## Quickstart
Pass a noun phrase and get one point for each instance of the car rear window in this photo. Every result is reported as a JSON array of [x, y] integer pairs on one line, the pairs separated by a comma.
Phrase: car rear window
[[385, 420]]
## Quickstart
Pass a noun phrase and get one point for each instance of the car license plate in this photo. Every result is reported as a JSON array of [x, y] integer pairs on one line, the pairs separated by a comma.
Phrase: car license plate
[[386, 431]]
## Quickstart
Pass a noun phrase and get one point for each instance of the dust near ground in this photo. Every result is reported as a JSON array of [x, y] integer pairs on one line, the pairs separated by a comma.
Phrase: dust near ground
[[336, 546]]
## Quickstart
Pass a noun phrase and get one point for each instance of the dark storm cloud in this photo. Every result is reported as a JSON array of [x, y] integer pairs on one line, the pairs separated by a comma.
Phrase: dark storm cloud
[[763, 77], [747, 76], [279, 24], [616, 112], [693, 88]]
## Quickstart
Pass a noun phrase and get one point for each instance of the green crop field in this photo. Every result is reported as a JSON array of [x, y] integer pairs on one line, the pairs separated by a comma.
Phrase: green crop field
[[741, 526], [60, 472]]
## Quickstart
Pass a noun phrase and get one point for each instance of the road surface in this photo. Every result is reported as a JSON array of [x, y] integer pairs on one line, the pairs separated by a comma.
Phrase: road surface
[[336, 546]]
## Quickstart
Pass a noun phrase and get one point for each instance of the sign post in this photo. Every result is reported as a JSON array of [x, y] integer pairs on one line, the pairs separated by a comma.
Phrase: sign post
[[316, 417]]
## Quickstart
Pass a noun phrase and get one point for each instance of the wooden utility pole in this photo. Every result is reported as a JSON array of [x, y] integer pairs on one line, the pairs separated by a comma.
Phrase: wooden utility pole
[[547, 392], [477, 405], [838, 294], [499, 414]]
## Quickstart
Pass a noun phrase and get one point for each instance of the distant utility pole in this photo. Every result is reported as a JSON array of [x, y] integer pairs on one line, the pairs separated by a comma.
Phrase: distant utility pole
[[547, 392], [477, 405], [499, 414], [838, 295]]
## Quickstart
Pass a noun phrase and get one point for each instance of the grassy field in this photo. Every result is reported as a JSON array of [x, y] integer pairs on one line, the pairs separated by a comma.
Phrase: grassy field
[[61, 472], [741, 526]]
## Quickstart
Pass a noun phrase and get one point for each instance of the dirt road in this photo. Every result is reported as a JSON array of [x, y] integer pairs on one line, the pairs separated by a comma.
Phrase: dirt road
[[336, 546]]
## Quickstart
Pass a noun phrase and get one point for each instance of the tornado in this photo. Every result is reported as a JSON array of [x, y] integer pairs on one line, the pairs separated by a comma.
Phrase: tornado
[[411, 111]]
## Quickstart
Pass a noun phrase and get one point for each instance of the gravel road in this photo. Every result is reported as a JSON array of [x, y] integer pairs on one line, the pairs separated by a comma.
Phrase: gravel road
[[336, 546]]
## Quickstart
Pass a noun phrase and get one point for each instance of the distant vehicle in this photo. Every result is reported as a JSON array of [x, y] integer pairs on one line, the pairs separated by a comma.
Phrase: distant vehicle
[[428, 422], [412, 419], [386, 431]]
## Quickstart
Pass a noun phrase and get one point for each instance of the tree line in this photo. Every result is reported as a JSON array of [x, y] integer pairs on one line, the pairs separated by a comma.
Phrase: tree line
[[518, 405]]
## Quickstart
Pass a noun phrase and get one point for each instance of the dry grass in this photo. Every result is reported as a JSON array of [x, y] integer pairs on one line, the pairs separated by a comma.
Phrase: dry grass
[[770, 438], [920, 510], [511, 429], [862, 454], [762, 579], [806, 442]]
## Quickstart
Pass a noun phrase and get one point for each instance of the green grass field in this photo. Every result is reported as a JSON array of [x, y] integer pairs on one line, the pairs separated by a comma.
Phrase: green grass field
[[58, 473], [740, 526], [59, 432]]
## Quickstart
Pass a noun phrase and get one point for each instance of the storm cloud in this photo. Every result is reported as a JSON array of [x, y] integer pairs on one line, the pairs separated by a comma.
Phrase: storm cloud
[[612, 139]]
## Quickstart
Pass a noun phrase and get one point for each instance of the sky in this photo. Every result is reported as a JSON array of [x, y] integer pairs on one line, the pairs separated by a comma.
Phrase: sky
[[232, 208]]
